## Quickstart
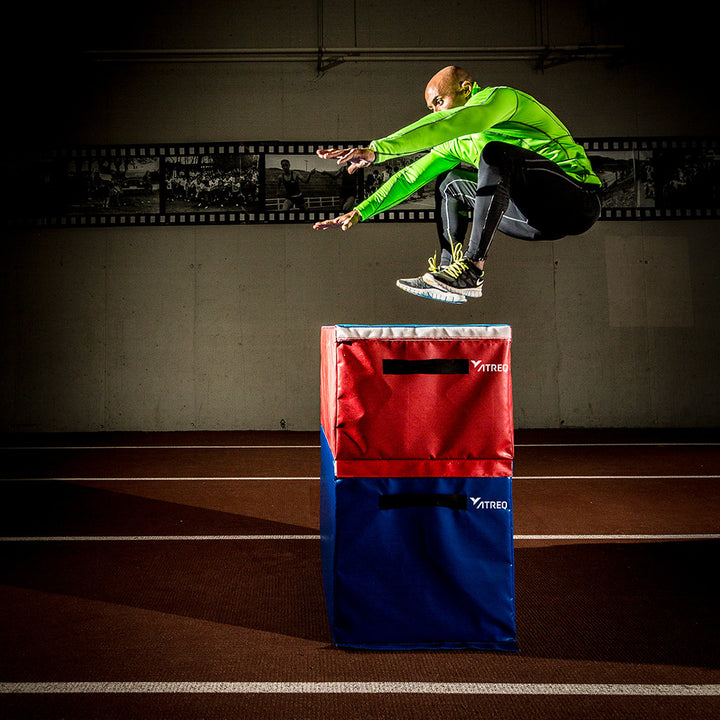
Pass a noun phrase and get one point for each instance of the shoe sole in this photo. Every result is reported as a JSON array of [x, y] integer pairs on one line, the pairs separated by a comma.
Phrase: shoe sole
[[433, 293], [465, 292]]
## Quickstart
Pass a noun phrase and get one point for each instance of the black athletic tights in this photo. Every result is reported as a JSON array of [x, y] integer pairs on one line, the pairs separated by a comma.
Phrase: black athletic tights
[[516, 191]]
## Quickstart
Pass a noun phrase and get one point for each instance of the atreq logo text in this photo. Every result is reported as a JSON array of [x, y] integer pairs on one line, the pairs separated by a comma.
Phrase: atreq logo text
[[480, 504], [481, 366]]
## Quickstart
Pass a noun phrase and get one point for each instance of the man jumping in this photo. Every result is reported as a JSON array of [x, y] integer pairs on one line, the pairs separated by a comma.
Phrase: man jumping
[[533, 181]]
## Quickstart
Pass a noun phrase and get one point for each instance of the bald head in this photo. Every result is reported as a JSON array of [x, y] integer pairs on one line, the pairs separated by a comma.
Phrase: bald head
[[448, 88]]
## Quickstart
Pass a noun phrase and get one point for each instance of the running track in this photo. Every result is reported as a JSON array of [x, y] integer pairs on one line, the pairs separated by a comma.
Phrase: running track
[[178, 576]]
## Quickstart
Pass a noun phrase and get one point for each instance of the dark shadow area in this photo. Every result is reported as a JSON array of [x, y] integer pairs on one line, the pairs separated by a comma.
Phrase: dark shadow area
[[643, 603], [630, 603], [268, 585]]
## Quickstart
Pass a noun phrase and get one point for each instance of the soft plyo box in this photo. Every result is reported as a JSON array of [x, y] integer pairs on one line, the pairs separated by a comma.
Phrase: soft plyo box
[[417, 401], [418, 563]]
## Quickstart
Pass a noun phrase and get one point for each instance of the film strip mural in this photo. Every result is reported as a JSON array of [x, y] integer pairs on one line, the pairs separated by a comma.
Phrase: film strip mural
[[657, 178], [277, 182]]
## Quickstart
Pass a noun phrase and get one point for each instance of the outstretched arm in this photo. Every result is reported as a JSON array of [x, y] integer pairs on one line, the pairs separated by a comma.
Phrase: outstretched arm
[[398, 188], [439, 127]]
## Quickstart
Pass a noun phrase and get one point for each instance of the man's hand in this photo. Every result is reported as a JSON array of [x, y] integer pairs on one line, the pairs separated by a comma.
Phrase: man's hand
[[344, 222], [356, 157]]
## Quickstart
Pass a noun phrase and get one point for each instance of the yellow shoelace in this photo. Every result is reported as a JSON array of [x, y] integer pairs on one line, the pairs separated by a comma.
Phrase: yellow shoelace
[[459, 263], [457, 255], [457, 268]]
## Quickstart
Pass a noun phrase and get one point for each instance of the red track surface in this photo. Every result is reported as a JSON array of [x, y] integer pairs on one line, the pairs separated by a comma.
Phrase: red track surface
[[136, 562]]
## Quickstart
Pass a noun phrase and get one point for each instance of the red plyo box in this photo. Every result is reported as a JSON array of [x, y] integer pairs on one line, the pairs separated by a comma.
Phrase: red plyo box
[[418, 400]]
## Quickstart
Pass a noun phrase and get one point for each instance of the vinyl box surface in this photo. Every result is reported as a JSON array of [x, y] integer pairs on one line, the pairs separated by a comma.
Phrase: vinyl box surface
[[417, 400], [418, 563], [415, 554]]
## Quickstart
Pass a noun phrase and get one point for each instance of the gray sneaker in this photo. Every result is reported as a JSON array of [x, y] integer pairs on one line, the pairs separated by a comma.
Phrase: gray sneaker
[[461, 277], [417, 286]]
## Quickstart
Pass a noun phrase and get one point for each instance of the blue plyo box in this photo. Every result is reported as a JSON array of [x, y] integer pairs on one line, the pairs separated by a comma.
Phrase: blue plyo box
[[418, 563]]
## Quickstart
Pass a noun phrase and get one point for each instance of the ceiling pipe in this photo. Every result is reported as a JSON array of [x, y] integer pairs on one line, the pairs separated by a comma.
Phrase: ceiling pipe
[[328, 58]]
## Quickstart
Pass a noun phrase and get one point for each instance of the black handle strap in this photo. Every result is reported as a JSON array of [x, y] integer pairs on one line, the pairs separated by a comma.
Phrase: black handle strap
[[407, 500], [441, 366]]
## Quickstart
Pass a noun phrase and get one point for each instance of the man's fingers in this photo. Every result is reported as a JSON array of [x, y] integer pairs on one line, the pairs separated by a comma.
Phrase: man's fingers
[[342, 155], [332, 153], [327, 224], [323, 225], [352, 167], [345, 222], [346, 156]]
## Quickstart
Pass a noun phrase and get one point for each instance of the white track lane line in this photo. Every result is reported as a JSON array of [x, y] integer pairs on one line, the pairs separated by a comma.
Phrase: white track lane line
[[153, 538], [240, 538], [615, 477], [618, 444], [312, 688], [160, 447], [160, 478], [317, 447]]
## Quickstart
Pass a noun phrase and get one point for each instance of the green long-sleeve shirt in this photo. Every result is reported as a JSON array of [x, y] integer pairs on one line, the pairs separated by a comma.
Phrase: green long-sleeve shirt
[[460, 134]]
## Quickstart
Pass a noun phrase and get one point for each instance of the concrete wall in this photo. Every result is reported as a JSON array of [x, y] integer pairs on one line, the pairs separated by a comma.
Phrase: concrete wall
[[218, 327]]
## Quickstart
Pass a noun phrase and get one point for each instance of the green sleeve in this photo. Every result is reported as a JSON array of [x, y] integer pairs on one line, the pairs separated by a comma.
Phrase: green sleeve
[[404, 183], [439, 127]]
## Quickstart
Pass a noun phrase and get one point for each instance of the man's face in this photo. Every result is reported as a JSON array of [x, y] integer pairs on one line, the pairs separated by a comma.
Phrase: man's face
[[444, 96]]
